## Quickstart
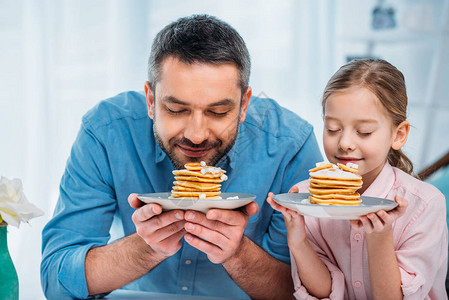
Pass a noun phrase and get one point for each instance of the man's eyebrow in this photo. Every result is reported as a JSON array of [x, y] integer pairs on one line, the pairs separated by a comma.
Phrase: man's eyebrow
[[174, 100], [224, 102]]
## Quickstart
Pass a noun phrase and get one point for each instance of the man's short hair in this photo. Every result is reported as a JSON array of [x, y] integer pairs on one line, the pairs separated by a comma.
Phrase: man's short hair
[[203, 39]]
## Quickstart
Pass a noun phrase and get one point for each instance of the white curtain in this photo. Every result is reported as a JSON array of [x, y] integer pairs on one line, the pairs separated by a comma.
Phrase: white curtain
[[59, 58]]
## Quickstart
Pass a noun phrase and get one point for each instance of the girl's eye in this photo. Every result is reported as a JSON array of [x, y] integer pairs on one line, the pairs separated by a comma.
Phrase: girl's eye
[[332, 130], [364, 133]]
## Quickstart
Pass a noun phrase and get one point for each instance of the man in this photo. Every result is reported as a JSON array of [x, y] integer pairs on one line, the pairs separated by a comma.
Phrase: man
[[196, 108]]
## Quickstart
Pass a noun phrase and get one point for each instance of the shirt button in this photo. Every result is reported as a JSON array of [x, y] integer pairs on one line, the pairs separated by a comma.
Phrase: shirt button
[[357, 236], [188, 262], [357, 284], [184, 288]]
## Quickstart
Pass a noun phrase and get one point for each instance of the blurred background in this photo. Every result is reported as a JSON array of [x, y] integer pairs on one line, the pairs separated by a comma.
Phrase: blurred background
[[59, 58]]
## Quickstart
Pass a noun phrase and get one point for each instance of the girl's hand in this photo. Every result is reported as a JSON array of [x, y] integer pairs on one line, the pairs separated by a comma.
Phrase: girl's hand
[[296, 229], [381, 221]]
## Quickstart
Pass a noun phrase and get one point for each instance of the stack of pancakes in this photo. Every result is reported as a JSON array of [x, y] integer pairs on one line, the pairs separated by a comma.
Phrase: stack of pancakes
[[335, 184], [198, 181]]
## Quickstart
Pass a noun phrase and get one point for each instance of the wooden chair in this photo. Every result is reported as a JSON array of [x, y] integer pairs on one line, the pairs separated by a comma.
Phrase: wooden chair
[[442, 162]]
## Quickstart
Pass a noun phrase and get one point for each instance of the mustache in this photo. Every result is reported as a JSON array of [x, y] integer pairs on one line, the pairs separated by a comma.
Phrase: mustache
[[188, 143]]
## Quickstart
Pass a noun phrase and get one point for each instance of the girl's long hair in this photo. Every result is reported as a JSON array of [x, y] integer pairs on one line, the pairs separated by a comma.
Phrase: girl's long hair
[[387, 83]]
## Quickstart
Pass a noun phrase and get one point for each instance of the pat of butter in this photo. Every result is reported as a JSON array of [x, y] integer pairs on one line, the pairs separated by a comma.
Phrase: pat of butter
[[351, 165]]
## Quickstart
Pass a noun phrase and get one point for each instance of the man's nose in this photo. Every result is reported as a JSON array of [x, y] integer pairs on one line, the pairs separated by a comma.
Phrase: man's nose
[[197, 130]]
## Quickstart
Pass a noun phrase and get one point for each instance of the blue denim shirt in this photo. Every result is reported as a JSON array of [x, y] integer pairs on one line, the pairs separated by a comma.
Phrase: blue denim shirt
[[115, 154]]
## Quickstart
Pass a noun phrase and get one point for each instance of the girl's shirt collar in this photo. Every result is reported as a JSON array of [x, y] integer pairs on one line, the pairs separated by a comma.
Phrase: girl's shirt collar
[[382, 184]]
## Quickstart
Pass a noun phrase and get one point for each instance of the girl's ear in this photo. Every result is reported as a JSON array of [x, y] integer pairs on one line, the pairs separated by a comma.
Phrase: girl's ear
[[400, 135]]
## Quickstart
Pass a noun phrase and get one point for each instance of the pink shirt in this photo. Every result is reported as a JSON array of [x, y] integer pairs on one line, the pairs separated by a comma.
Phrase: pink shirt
[[420, 239]]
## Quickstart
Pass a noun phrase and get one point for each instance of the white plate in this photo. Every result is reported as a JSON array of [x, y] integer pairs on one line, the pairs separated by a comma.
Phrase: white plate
[[300, 202], [202, 205]]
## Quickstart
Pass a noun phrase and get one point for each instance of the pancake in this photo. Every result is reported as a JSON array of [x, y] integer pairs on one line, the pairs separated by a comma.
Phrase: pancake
[[325, 191], [335, 174], [314, 200], [198, 181], [335, 184], [354, 196], [349, 167], [183, 188], [321, 166], [180, 194], [193, 166], [197, 185], [186, 172]]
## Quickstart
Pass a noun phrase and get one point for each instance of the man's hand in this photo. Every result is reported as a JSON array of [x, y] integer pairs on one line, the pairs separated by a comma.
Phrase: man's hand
[[218, 233], [158, 236], [161, 231]]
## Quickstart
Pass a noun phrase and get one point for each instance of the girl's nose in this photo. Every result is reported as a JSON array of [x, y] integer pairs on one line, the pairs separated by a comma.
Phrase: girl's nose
[[347, 142]]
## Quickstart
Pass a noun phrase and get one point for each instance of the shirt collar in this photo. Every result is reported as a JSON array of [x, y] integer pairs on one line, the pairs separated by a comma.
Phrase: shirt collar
[[160, 154], [229, 161], [382, 184]]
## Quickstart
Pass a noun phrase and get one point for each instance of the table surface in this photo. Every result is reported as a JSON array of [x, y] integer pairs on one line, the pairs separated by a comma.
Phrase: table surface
[[129, 295]]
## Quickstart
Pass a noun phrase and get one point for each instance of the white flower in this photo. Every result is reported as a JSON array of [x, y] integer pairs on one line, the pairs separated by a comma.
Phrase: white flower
[[14, 206]]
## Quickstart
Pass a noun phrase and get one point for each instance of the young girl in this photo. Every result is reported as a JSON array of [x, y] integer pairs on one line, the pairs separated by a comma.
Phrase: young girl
[[384, 255]]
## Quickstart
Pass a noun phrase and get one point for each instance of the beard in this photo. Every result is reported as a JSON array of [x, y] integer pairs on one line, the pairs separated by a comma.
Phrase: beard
[[217, 145]]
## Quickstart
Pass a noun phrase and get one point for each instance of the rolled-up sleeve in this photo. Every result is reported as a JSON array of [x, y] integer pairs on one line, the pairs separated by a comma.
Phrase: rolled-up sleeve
[[85, 196], [338, 282], [337, 276], [422, 250]]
